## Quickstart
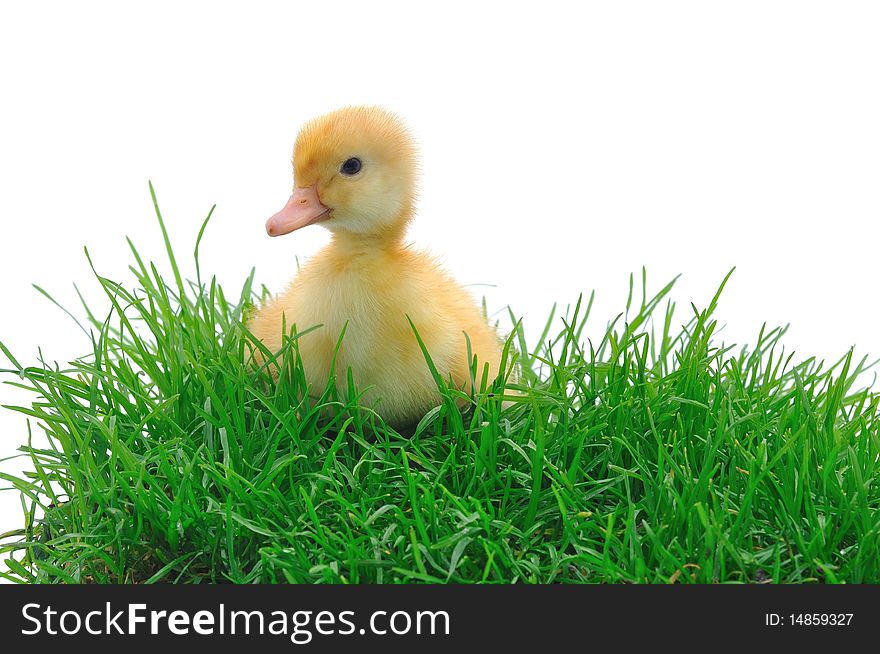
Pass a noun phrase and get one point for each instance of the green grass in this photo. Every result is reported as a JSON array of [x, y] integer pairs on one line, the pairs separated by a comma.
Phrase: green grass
[[650, 455]]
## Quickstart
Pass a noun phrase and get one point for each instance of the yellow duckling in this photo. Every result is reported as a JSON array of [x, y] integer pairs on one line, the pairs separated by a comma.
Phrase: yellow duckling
[[355, 173]]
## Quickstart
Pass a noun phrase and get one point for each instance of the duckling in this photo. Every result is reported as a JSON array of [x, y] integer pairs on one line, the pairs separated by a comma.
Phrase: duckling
[[355, 173]]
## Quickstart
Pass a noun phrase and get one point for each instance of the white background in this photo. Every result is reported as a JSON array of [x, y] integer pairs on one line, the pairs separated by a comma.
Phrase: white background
[[564, 146]]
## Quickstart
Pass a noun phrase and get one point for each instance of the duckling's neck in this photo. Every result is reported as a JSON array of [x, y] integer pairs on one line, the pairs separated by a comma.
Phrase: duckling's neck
[[389, 238], [350, 244]]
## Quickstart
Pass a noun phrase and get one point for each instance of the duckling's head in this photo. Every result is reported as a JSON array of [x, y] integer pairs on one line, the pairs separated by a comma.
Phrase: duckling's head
[[354, 170]]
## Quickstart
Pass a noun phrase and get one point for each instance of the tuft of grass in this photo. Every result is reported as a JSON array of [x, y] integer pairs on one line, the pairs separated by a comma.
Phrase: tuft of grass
[[652, 455]]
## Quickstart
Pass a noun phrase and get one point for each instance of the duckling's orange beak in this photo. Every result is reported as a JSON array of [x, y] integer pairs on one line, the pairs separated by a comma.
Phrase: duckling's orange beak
[[302, 209]]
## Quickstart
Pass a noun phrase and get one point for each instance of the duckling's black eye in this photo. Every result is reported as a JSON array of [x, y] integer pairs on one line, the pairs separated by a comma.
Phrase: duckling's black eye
[[351, 166]]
